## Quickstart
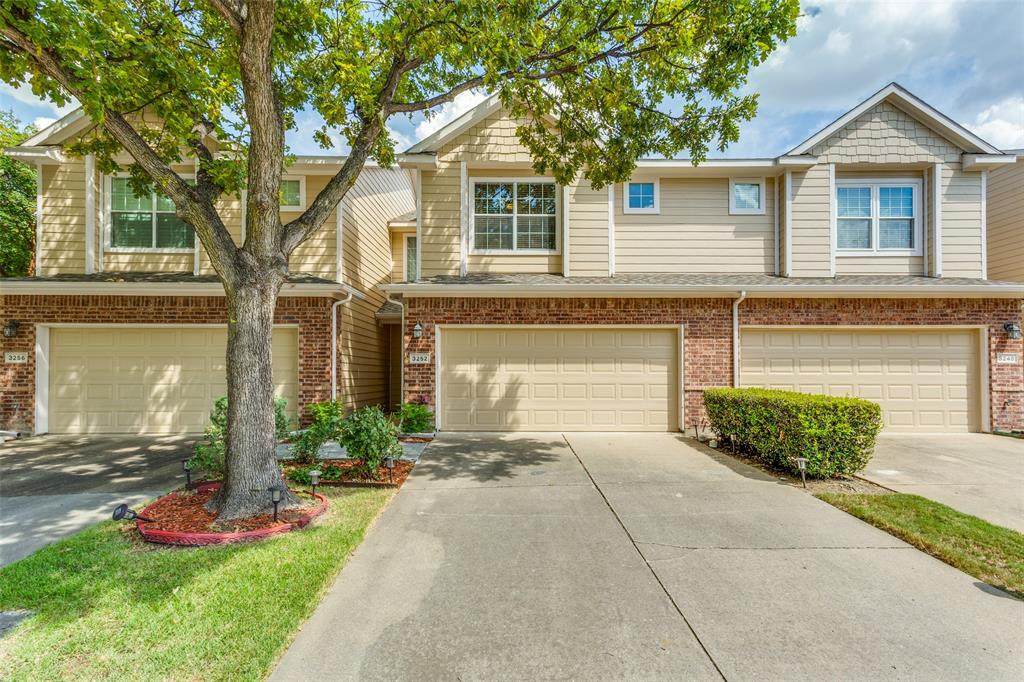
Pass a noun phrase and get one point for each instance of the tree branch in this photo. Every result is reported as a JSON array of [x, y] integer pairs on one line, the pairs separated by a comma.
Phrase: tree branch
[[233, 12]]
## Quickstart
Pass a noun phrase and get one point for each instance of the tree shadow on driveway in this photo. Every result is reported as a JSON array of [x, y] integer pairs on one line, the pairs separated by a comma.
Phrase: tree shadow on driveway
[[483, 458]]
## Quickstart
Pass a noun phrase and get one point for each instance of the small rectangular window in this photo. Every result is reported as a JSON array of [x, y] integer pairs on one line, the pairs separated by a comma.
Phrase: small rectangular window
[[146, 221], [878, 217], [411, 273], [746, 196], [514, 216], [293, 192], [641, 197]]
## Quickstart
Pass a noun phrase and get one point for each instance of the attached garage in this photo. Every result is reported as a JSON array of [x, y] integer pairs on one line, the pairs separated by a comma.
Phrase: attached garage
[[925, 380], [558, 379], [147, 379]]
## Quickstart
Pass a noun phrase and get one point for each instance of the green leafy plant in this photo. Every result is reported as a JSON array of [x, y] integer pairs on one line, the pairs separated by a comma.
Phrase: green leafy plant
[[330, 472], [326, 426], [208, 454], [17, 202], [369, 436], [414, 418], [836, 435]]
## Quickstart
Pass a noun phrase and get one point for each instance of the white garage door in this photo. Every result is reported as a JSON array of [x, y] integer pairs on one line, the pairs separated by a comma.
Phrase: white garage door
[[148, 379], [924, 380], [531, 379]]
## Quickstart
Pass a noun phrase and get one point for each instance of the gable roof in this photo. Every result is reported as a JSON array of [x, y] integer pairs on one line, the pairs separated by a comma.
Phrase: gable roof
[[912, 105], [59, 130], [434, 141]]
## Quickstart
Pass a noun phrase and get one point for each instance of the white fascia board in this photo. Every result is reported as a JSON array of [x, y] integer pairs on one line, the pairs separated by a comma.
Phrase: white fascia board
[[59, 288], [433, 142], [980, 162], [425, 160], [797, 161], [915, 107], [65, 125], [426, 290], [39, 154], [707, 163]]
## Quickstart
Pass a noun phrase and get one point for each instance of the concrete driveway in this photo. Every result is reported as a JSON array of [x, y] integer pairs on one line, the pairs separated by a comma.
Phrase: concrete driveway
[[975, 473], [52, 486], [639, 556]]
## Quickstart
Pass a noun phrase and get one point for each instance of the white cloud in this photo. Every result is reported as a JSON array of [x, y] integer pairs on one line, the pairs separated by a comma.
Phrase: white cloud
[[1002, 124], [449, 112], [24, 95], [41, 122], [837, 42]]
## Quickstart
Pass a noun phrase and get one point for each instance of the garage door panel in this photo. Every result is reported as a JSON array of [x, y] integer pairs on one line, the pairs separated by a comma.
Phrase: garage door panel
[[148, 380], [575, 379], [923, 380]]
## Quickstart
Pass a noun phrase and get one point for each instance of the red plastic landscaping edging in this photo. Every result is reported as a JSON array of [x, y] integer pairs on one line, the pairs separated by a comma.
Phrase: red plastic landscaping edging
[[185, 539]]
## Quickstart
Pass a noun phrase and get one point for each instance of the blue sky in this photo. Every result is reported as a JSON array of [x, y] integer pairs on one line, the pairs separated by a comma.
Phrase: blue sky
[[965, 57]]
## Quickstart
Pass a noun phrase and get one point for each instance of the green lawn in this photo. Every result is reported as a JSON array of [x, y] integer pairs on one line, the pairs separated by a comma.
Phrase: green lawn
[[109, 607], [990, 553]]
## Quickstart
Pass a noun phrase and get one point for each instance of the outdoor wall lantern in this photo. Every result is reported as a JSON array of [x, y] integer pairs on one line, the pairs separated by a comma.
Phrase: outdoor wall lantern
[[417, 330], [801, 463], [122, 511], [314, 479], [11, 329], [389, 464], [1012, 330]]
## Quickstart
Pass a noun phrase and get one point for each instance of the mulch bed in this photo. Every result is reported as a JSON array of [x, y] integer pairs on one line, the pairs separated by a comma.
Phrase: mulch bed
[[349, 476], [181, 518]]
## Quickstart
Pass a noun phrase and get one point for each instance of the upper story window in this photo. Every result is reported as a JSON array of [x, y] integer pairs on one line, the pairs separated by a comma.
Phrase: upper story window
[[878, 217], [411, 273], [293, 194], [746, 196], [641, 197], [516, 216], [145, 222]]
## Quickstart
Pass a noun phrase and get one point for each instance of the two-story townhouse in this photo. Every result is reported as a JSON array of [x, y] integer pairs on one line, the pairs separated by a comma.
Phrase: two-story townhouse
[[122, 328], [1005, 211], [855, 264]]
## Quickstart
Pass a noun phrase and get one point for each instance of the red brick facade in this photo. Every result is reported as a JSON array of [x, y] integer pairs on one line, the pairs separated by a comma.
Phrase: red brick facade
[[17, 381], [708, 331]]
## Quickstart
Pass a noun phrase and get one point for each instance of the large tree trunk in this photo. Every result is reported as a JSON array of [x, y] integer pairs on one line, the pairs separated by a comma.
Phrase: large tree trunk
[[251, 461]]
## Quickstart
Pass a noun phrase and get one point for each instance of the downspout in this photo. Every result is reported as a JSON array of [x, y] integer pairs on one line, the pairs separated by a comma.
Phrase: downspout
[[334, 343], [736, 338], [401, 363]]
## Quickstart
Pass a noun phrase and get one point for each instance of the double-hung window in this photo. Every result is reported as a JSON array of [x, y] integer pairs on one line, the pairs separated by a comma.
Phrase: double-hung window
[[882, 218], [146, 221], [514, 216]]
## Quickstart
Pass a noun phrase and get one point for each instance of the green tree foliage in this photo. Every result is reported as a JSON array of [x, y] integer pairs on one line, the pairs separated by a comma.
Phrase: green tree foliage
[[17, 203]]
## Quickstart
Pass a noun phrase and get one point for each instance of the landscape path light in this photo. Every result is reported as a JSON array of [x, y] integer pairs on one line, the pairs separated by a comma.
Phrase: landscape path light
[[186, 465], [801, 463], [389, 464], [314, 480], [123, 511]]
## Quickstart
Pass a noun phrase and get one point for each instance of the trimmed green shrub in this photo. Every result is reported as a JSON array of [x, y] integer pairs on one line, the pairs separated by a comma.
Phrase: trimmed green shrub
[[331, 472], [414, 418], [836, 435], [326, 426], [208, 454], [369, 436]]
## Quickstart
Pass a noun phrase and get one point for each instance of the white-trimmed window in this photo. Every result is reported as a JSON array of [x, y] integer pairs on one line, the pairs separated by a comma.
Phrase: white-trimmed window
[[746, 196], [641, 197], [293, 193], [144, 222], [878, 217], [514, 216], [411, 274]]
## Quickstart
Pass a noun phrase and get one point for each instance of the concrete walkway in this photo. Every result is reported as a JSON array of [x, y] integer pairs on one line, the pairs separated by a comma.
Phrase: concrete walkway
[[53, 486], [975, 473], [639, 557]]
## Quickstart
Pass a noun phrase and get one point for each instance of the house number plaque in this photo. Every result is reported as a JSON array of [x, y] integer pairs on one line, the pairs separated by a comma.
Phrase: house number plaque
[[16, 357], [419, 358], [1007, 358]]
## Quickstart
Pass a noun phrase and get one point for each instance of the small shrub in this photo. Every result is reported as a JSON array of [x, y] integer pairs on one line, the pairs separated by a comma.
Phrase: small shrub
[[208, 454], [836, 435], [369, 436], [331, 472], [414, 418], [326, 426]]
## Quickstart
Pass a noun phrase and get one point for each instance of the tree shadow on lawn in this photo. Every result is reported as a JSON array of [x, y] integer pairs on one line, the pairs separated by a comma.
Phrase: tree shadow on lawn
[[491, 457]]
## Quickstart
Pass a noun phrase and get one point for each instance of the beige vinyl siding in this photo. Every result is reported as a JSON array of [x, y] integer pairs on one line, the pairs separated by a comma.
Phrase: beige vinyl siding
[[961, 223], [394, 332], [811, 237], [62, 243], [440, 215], [1006, 223], [318, 255], [493, 139], [694, 232], [398, 256], [783, 224], [588, 231], [378, 197]]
